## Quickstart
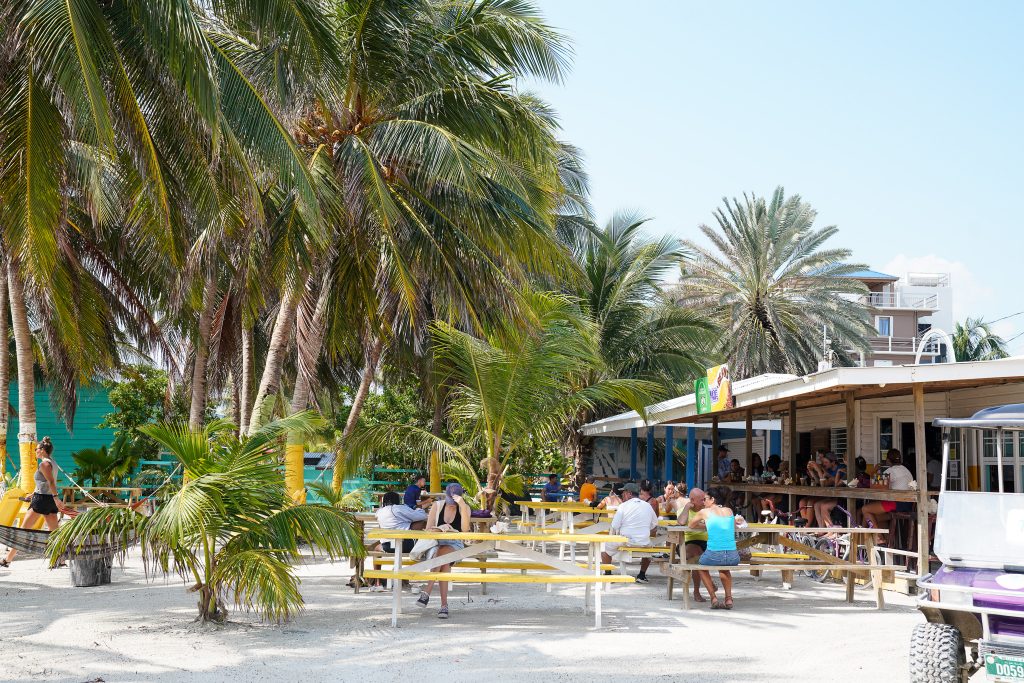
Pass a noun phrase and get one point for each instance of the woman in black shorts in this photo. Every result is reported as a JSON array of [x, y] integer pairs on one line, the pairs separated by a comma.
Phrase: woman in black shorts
[[44, 503]]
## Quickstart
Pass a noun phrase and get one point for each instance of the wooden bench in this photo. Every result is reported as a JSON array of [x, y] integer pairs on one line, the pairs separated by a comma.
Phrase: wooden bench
[[501, 564], [683, 573]]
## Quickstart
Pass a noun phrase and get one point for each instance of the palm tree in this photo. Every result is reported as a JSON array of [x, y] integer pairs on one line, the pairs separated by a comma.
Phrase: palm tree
[[641, 334], [230, 528], [771, 287], [5, 368], [973, 339], [512, 386]]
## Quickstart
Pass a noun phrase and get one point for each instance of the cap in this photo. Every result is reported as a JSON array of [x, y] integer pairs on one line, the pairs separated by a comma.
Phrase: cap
[[723, 447], [632, 488]]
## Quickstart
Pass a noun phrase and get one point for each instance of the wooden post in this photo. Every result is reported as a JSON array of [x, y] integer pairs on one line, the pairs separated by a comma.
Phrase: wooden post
[[851, 436], [793, 446], [750, 441], [715, 443], [921, 475]]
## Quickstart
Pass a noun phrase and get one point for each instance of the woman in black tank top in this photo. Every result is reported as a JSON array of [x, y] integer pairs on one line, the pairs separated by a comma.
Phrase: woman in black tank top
[[458, 522]]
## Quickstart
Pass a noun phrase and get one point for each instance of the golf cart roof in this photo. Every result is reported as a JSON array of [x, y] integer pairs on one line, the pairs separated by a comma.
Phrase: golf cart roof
[[1010, 416]]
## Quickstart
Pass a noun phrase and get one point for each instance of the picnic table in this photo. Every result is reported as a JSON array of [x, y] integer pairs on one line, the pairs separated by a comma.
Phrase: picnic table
[[515, 544], [782, 535]]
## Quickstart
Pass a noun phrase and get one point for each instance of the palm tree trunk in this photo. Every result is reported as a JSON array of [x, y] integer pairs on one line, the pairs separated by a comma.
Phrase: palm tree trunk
[[303, 388], [26, 380], [197, 411], [436, 430], [271, 379], [5, 370], [369, 370], [245, 391]]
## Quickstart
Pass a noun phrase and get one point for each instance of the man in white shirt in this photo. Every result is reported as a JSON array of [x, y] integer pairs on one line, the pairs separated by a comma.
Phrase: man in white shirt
[[393, 513], [634, 519]]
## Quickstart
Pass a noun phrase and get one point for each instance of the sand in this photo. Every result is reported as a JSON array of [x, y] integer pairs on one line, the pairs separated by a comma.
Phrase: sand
[[140, 630]]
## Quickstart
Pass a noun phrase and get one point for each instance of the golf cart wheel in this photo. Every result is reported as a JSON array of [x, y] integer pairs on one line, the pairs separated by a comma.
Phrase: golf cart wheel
[[936, 654]]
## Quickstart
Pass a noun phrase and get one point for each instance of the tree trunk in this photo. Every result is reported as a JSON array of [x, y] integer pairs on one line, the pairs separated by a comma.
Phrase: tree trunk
[[5, 369], [315, 342], [578, 450], [270, 382], [236, 407], [436, 428], [369, 370], [26, 380], [197, 411], [245, 391]]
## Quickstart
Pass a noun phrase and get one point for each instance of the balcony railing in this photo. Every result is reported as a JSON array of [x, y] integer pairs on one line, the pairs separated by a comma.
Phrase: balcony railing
[[927, 279], [921, 302], [902, 345]]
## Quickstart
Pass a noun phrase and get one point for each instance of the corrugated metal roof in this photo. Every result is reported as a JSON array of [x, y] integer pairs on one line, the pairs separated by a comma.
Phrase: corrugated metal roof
[[871, 275]]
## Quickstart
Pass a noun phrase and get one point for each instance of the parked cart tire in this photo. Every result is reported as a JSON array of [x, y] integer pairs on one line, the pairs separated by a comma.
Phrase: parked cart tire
[[936, 654]]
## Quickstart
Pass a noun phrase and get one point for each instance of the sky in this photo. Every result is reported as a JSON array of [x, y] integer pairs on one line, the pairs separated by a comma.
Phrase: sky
[[900, 123]]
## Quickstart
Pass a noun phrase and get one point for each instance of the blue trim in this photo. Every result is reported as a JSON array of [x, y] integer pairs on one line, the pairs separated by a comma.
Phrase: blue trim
[[775, 442], [632, 453], [669, 455], [691, 458], [650, 453]]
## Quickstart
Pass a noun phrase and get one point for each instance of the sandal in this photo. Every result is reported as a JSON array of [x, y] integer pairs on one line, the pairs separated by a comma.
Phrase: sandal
[[715, 604], [728, 603], [4, 563]]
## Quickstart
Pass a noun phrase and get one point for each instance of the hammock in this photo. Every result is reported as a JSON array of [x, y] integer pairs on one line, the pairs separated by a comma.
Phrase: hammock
[[34, 541]]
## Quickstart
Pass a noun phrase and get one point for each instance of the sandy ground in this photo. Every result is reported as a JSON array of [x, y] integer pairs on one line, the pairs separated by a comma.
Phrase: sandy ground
[[137, 630]]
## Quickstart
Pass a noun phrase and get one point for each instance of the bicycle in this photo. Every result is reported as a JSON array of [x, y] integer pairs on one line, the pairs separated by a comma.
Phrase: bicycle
[[838, 546]]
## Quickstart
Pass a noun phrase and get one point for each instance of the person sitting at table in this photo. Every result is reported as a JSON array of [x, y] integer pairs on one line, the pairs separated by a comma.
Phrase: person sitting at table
[[647, 496], [552, 490], [816, 467], [835, 475], [450, 514], [415, 490], [720, 524], [588, 492], [724, 464], [672, 498], [898, 478], [863, 478], [394, 513], [694, 542], [756, 466], [613, 500], [635, 520], [774, 464]]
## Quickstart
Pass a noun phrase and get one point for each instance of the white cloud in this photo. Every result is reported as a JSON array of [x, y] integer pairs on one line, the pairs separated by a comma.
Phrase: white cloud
[[968, 292]]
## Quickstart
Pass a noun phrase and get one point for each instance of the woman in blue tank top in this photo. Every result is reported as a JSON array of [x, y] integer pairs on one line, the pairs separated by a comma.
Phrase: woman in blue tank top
[[720, 523]]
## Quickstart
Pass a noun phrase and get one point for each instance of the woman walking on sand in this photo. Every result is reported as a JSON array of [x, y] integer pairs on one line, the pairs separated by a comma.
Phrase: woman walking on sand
[[45, 502]]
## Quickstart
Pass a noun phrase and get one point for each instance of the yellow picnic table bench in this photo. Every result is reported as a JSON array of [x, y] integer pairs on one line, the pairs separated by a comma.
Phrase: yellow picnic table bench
[[514, 544]]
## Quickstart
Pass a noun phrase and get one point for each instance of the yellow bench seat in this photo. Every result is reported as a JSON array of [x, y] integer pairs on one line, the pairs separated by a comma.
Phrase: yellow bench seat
[[504, 564], [462, 577]]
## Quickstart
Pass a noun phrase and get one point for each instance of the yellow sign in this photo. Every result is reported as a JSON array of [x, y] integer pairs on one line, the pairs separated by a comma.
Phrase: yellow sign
[[719, 388]]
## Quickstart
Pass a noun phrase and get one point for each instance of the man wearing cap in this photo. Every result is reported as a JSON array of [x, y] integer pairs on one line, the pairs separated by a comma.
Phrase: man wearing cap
[[635, 520], [724, 464]]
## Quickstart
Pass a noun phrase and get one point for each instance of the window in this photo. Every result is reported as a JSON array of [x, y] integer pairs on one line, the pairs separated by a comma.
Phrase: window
[[884, 437], [883, 323], [838, 442]]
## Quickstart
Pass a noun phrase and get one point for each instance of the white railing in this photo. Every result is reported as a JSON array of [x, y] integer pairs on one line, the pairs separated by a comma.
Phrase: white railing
[[900, 300], [902, 345], [927, 279]]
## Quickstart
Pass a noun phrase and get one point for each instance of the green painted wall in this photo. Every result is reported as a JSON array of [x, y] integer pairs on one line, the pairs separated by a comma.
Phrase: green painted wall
[[93, 405]]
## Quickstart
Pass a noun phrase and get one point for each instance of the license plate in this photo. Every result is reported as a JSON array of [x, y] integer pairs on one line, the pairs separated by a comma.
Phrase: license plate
[[1004, 668]]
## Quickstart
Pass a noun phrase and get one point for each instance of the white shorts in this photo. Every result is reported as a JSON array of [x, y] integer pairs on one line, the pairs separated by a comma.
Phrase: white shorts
[[612, 548]]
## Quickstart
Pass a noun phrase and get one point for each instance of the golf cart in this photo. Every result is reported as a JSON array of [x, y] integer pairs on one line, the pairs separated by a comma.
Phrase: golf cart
[[976, 598]]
